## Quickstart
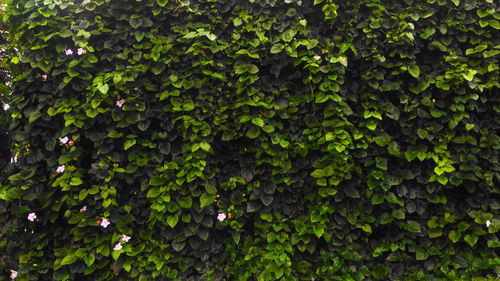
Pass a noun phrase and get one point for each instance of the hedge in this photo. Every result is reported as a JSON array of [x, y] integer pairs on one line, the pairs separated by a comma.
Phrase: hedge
[[252, 140]]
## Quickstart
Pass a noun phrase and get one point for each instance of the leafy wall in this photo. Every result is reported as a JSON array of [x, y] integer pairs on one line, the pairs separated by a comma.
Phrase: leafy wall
[[252, 140]]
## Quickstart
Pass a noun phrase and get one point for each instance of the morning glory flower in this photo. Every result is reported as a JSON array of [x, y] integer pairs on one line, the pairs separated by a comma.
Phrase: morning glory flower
[[83, 209], [6, 107], [32, 217], [104, 223], [81, 51], [68, 52], [64, 140], [119, 103], [13, 159], [118, 247], [317, 57], [44, 76], [488, 223], [221, 217], [125, 238], [13, 274], [60, 169]]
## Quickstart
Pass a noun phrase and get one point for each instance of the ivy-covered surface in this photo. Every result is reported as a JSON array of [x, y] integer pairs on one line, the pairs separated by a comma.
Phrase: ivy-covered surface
[[252, 140]]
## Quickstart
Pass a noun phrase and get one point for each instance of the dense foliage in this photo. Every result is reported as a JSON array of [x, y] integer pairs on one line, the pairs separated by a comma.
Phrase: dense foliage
[[252, 140]]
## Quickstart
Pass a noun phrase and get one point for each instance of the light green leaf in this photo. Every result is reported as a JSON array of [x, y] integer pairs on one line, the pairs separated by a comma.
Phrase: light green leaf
[[414, 70], [129, 143], [471, 239], [172, 220], [69, 259], [75, 181], [276, 48], [103, 88]]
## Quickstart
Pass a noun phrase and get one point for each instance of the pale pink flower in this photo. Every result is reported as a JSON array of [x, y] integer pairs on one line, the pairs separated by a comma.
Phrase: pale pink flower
[[105, 223], [317, 57], [6, 107], [83, 209], [221, 217], [13, 159], [68, 52], [13, 274], [119, 103], [31, 217], [118, 247], [60, 169], [488, 223], [64, 140], [125, 238], [80, 51], [288, 1], [44, 76]]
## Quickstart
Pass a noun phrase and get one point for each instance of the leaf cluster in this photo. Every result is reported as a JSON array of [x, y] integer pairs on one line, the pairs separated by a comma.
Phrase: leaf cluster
[[343, 140]]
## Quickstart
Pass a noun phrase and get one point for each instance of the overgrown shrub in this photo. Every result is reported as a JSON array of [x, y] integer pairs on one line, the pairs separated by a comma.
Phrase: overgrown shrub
[[252, 140]]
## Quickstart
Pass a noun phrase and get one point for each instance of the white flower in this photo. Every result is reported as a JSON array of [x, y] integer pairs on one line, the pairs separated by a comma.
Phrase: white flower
[[68, 52], [13, 274], [60, 169], [13, 159], [105, 223], [119, 103], [44, 76], [317, 57], [64, 140], [125, 238], [80, 51], [83, 209], [31, 217], [221, 217], [288, 1], [6, 107], [118, 247], [488, 223]]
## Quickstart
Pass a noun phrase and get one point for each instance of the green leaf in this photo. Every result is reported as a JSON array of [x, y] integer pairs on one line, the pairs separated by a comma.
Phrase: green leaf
[[253, 132], [162, 3], [435, 232], [428, 32], [206, 199], [380, 271], [276, 48], [83, 194], [75, 181], [318, 173], [172, 220], [154, 192], [414, 70], [34, 116], [454, 236], [103, 88], [318, 229], [89, 259], [136, 22], [413, 226], [315, 216], [69, 259], [139, 35], [471, 239], [288, 35], [351, 192], [129, 143], [420, 254]]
